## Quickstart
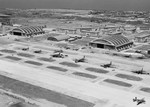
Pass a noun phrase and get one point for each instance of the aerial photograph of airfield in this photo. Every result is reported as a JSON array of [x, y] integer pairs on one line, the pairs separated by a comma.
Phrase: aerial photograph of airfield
[[74, 58]]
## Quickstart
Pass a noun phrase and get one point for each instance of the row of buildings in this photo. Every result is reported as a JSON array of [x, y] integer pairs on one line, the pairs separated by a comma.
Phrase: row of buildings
[[108, 36], [112, 42], [115, 40]]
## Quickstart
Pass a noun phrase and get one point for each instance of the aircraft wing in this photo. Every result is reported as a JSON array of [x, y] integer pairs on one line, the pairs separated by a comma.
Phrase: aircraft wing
[[141, 101]]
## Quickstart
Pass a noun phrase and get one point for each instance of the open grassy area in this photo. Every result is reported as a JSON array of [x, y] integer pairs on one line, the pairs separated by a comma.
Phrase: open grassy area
[[31, 91], [25, 55], [119, 83], [13, 58], [69, 64], [7, 100], [34, 63], [57, 68], [96, 70], [145, 89], [129, 77], [46, 59], [7, 51], [85, 75]]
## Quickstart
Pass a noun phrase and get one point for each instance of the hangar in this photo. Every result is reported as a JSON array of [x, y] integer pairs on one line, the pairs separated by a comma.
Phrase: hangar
[[27, 30], [115, 42]]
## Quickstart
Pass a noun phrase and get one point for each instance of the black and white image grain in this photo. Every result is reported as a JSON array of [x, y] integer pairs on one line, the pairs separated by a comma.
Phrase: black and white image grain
[[74, 53]]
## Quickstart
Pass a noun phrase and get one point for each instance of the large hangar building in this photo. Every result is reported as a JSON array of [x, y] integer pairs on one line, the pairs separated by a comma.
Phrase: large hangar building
[[28, 30], [115, 42]]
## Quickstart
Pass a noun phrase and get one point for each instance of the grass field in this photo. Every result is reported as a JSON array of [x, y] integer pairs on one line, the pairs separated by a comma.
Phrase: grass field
[[147, 90], [7, 51], [46, 59], [69, 64], [31, 91], [96, 70], [57, 68], [8, 100], [25, 55], [129, 77], [13, 58], [34, 63], [85, 75], [119, 83]]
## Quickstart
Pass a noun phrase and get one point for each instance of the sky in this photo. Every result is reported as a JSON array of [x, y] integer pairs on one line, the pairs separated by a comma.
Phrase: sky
[[78, 4]]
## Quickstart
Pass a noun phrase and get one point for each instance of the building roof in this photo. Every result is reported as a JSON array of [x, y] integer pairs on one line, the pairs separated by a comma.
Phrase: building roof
[[69, 29], [28, 29], [85, 28], [92, 32], [129, 28], [4, 15], [110, 26], [115, 33], [115, 40], [142, 34], [58, 38], [52, 34], [144, 27]]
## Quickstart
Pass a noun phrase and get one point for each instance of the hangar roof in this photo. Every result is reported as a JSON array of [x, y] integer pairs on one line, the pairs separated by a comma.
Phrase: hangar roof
[[29, 29], [116, 40], [4, 15]]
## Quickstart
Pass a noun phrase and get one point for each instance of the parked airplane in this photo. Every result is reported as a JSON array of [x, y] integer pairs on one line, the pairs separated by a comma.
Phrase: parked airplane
[[59, 55], [80, 60], [109, 65], [141, 72], [139, 101], [25, 49]]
